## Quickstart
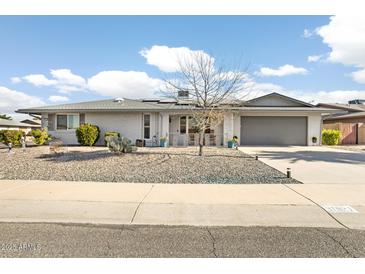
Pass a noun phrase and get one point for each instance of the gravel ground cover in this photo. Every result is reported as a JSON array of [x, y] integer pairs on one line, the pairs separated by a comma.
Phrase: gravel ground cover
[[147, 165]]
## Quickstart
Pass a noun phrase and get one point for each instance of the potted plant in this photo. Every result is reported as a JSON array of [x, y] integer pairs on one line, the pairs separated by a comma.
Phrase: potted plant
[[314, 139], [163, 142], [233, 143]]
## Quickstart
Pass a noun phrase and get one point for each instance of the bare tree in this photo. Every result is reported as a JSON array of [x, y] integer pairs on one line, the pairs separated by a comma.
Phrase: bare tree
[[209, 89]]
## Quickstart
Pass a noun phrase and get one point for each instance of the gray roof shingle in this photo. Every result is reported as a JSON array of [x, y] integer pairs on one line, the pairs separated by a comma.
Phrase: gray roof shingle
[[101, 105]]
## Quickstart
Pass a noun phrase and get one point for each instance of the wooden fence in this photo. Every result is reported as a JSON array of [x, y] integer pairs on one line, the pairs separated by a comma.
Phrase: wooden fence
[[351, 133]]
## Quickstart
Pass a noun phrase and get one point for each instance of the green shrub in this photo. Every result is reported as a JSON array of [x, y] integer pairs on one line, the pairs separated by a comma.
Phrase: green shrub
[[40, 136], [2, 136], [12, 136], [87, 134], [110, 133], [331, 137]]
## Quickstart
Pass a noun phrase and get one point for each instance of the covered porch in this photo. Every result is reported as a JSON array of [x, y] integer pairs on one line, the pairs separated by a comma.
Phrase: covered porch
[[181, 132]]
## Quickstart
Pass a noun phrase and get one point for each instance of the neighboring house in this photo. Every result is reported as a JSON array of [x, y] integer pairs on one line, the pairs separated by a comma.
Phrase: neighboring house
[[273, 119], [33, 124], [349, 119], [11, 124]]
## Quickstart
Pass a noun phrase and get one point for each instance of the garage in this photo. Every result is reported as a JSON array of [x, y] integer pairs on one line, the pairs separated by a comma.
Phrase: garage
[[273, 130]]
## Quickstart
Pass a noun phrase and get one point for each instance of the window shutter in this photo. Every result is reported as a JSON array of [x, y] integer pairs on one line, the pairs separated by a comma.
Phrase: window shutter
[[82, 118], [51, 120]]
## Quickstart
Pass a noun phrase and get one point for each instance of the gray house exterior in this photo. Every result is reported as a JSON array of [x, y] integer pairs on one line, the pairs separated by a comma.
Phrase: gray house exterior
[[273, 119]]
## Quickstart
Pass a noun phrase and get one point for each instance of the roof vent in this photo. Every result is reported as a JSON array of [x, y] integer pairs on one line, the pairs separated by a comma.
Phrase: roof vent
[[118, 100]]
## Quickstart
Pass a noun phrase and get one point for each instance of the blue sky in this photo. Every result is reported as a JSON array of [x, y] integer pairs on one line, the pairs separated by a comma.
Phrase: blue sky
[[78, 48]]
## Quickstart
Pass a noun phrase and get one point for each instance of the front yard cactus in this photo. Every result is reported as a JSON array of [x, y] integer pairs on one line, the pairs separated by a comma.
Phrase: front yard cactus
[[119, 144]]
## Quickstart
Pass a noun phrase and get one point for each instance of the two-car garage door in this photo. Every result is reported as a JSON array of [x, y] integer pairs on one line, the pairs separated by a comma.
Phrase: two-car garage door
[[274, 130]]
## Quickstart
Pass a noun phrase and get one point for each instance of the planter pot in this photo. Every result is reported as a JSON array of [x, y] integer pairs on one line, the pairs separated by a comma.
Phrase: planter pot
[[163, 143]]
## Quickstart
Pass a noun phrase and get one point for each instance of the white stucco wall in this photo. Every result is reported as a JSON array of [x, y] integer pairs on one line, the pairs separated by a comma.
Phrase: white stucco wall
[[228, 127], [237, 125], [314, 129], [68, 137], [127, 124], [164, 125]]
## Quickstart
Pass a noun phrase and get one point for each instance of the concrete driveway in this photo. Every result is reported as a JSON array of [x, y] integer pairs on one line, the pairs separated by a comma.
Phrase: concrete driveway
[[314, 165]]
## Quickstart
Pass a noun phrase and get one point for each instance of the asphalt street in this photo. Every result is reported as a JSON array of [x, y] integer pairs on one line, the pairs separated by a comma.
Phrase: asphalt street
[[80, 240]]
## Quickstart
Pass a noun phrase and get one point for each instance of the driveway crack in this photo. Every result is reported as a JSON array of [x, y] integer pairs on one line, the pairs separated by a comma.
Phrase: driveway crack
[[135, 212], [337, 242], [214, 250]]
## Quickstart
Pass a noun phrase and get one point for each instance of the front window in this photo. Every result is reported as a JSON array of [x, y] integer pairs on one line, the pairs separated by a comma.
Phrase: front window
[[67, 121], [192, 125], [146, 126], [183, 124]]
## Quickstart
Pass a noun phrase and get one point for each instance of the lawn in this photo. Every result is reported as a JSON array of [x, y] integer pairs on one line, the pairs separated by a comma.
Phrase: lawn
[[147, 165]]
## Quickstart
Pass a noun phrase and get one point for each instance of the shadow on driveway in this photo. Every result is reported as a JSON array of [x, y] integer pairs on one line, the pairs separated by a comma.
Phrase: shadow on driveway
[[316, 156]]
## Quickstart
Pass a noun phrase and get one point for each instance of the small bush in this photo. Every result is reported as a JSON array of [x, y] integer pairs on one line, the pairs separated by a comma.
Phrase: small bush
[[110, 134], [331, 137], [40, 136], [11, 136], [2, 136], [87, 134]]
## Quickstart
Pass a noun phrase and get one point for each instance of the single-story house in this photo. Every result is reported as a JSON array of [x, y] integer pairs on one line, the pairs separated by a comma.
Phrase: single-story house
[[349, 119], [15, 125], [273, 119]]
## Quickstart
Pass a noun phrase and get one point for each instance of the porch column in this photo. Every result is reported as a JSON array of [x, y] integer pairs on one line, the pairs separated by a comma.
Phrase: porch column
[[165, 126], [227, 127]]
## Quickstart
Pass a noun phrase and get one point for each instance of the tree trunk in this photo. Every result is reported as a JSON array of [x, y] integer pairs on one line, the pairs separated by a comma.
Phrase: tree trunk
[[201, 143]]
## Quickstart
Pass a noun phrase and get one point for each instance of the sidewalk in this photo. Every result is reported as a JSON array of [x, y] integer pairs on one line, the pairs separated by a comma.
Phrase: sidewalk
[[181, 204]]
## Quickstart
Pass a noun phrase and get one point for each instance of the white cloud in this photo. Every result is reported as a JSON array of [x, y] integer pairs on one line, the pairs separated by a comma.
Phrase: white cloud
[[282, 71], [63, 80], [313, 97], [334, 96], [66, 77], [345, 35], [11, 100], [314, 58], [169, 59], [15, 80], [307, 33], [129, 84], [39, 80], [57, 98], [359, 76], [256, 89]]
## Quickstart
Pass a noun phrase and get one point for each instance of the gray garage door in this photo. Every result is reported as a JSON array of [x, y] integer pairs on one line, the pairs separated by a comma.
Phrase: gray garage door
[[264, 130]]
